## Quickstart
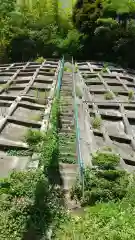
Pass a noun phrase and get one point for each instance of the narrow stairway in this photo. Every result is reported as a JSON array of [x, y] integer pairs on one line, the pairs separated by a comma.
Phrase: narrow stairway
[[67, 138]]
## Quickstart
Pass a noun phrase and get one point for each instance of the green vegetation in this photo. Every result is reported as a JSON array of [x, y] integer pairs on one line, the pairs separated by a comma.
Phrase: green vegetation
[[37, 117], [103, 183], [106, 160], [108, 95], [96, 122], [49, 148], [28, 206], [68, 160], [130, 94], [5, 87], [50, 29], [33, 138], [40, 60], [104, 68], [112, 220], [30, 203], [67, 69], [112, 193], [19, 152]]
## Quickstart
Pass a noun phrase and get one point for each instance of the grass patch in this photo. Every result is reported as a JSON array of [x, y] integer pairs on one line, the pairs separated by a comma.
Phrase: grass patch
[[67, 69], [19, 152], [96, 122], [37, 117], [102, 183], [105, 160], [76, 68], [68, 160], [29, 206], [5, 87], [110, 221], [33, 138], [130, 94], [104, 68], [40, 60], [108, 95]]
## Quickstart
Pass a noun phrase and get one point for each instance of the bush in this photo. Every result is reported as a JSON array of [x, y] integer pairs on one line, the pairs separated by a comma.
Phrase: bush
[[112, 220], [111, 175], [103, 183], [105, 160], [28, 205], [108, 95], [40, 60], [33, 138], [96, 122], [130, 94]]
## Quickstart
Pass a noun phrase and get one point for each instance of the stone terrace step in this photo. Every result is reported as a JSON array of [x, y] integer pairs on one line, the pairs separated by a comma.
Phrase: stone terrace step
[[69, 173], [67, 143]]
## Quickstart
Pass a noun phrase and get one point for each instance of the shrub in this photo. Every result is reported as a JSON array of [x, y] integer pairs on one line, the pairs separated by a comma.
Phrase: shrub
[[130, 94], [100, 185], [110, 175], [76, 68], [112, 220], [49, 146], [33, 138], [96, 122], [40, 60], [67, 69], [104, 68], [105, 160], [96, 195], [108, 95], [28, 205]]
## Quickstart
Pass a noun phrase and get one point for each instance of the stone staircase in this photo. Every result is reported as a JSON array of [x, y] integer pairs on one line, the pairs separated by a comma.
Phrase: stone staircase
[[67, 139]]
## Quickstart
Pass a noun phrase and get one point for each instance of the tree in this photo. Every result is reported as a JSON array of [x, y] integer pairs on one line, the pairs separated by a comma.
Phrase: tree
[[85, 15], [6, 6]]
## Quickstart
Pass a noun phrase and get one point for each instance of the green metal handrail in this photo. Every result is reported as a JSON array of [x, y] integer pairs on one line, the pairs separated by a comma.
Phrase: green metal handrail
[[79, 154], [60, 74]]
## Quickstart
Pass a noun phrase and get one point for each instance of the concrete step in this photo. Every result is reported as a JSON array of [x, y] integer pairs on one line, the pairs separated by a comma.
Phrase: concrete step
[[68, 135], [69, 173], [69, 143], [65, 153], [67, 115], [66, 121], [67, 159], [67, 130], [67, 148], [67, 126]]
